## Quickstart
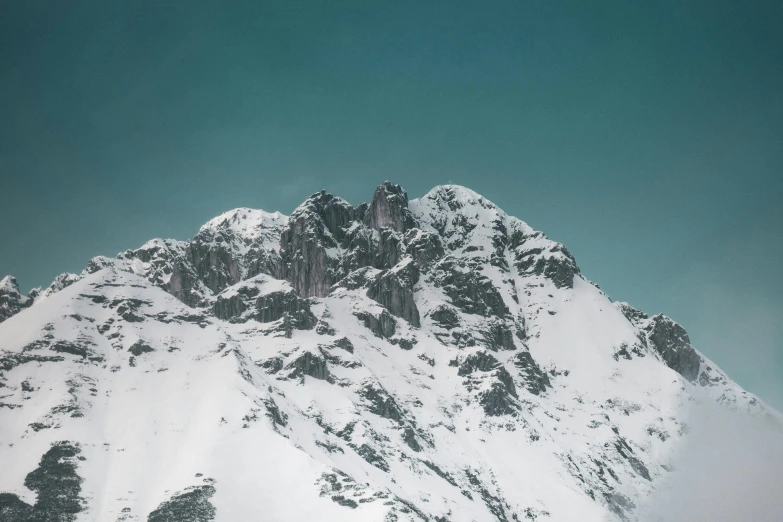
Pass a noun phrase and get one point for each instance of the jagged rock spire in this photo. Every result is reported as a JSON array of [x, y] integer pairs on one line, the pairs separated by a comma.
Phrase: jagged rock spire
[[389, 209], [11, 299]]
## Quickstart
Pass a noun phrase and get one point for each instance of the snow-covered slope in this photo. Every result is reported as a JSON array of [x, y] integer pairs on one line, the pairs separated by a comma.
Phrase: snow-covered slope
[[427, 360]]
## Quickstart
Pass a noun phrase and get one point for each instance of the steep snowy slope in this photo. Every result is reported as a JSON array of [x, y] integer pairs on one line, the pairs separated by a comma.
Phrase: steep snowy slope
[[427, 360]]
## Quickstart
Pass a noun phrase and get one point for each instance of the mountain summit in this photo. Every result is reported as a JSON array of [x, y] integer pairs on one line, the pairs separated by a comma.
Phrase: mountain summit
[[427, 359]]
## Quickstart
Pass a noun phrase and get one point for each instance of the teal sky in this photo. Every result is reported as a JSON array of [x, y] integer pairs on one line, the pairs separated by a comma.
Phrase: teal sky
[[646, 136]]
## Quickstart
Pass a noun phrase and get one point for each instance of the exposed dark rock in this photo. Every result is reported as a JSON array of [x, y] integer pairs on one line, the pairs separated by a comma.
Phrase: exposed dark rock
[[634, 315], [535, 379], [424, 247], [233, 306], [12, 360], [498, 336], [14, 509], [393, 289], [389, 209], [275, 305], [60, 282], [129, 308], [409, 437], [344, 343], [672, 343], [445, 317], [468, 289], [11, 300], [369, 454], [494, 504], [380, 402], [57, 486], [310, 364], [347, 502], [274, 413], [499, 398], [140, 347], [272, 365], [439, 472], [382, 326], [479, 361], [308, 243], [192, 505], [627, 453], [360, 278], [555, 263], [168, 268]]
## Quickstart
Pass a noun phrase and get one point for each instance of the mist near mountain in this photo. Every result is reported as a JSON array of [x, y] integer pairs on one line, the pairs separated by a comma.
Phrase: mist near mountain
[[730, 468]]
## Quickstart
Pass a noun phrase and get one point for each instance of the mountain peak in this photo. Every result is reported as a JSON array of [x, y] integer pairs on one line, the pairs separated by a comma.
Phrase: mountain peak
[[425, 359], [246, 222], [8, 284]]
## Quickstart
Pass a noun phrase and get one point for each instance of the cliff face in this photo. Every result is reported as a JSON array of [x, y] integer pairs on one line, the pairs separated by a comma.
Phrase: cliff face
[[426, 359]]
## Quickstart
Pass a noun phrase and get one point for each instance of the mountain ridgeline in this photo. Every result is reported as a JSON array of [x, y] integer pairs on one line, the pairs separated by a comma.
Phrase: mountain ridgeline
[[427, 359]]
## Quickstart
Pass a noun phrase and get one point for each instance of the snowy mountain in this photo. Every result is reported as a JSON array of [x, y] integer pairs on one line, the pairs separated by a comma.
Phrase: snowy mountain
[[433, 359]]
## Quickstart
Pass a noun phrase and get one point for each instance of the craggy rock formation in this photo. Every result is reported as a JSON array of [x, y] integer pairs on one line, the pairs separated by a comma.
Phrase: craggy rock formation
[[309, 246], [535, 255], [311, 365], [389, 209], [393, 289], [11, 300], [535, 379], [383, 325], [672, 343], [496, 389], [57, 486], [192, 505], [274, 306]]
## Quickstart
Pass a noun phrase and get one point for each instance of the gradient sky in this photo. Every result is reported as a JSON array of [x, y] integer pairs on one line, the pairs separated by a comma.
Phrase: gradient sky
[[645, 136]]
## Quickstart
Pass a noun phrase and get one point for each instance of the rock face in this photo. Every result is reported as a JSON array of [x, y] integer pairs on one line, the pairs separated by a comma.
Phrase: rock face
[[671, 342], [393, 289], [11, 300], [389, 209], [309, 246], [57, 485], [426, 359]]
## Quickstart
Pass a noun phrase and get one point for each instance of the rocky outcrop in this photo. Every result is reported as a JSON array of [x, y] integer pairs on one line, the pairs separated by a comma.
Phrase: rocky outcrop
[[671, 342], [61, 282], [477, 362], [11, 300], [389, 209], [274, 306], [424, 247], [634, 315], [536, 255], [192, 504], [383, 325], [165, 263], [468, 289], [57, 486], [535, 379], [496, 390], [498, 335], [265, 300], [311, 365], [445, 317], [393, 289], [309, 246]]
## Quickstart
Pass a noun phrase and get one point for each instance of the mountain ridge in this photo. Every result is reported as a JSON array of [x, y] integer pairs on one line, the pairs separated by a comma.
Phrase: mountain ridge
[[425, 359]]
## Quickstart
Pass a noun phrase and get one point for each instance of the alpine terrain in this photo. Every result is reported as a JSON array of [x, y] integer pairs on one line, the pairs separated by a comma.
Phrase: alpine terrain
[[427, 359]]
